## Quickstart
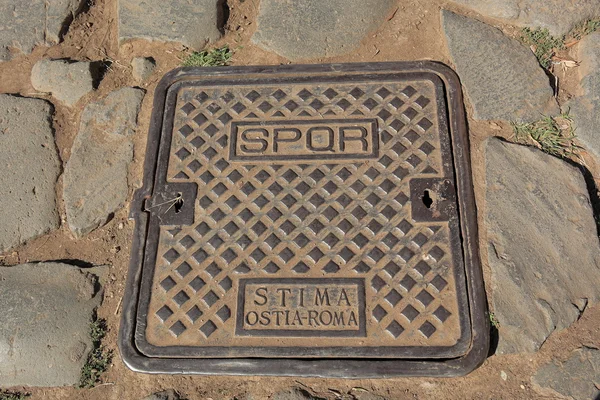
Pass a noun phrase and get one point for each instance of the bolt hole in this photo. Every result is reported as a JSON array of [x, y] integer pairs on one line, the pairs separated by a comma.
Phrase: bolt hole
[[427, 200], [178, 203]]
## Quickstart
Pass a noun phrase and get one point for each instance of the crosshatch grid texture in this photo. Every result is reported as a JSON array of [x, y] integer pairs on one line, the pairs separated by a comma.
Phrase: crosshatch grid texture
[[309, 219]]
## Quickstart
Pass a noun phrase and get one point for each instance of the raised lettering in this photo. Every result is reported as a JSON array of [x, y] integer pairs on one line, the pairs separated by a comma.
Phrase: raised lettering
[[343, 297], [325, 317], [262, 295], [322, 297], [278, 139], [278, 314], [352, 319], [283, 292], [255, 318], [312, 318], [297, 318], [310, 141], [345, 138], [265, 318], [338, 318], [258, 140]]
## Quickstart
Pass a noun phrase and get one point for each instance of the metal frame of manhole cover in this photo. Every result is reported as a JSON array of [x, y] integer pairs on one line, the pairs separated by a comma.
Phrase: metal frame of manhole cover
[[310, 220]]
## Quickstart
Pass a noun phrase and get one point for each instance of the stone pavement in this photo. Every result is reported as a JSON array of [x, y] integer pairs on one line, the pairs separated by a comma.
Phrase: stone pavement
[[576, 377], [28, 23], [538, 212], [533, 293], [27, 183], [311, 29], [193, 23], [585, 108], [66, 82], [95, 178], [46, 313], [501, 77], [558, 16]]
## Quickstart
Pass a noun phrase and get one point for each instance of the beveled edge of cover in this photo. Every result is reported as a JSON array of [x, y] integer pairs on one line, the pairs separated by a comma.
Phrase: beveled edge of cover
[[338, 368]]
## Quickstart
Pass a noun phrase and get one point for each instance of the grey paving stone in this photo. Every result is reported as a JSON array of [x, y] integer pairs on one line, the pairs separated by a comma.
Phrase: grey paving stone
[[142, 68], [24, 24], [193, 23], [315, 28], [169, 394], [46, 313], [294, 394], [501, 77], [66, 81], [29, 166], [360, 395], [508, 9], [95, 178], [585, 109], [577, 377], [543, 247], [558, 16]]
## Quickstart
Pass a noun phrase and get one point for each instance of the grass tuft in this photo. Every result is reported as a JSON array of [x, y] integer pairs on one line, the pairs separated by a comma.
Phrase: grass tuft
[[6, 395], [543, 44], [494, 321], [212, 58], [585, 28], [554, 135], [99, 358]]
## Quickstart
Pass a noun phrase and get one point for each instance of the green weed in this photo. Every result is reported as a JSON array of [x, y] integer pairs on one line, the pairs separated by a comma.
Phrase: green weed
[[543, 44], [99, 358], [585, 28], [6, 395], [212, 58], [554, 135], [494, 321]]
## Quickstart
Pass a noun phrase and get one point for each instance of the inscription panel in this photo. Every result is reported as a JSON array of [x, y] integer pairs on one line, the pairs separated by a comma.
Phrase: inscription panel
[[301, 307], [304, 140]]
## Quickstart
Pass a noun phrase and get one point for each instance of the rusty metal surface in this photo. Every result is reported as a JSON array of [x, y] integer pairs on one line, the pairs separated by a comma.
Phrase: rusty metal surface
[[306, 214]]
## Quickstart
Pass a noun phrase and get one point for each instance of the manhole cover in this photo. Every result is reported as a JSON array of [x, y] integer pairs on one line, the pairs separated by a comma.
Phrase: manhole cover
[[307, 220]]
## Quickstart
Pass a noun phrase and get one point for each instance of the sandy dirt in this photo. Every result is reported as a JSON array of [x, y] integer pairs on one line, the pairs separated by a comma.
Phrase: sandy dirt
[[412, 32]]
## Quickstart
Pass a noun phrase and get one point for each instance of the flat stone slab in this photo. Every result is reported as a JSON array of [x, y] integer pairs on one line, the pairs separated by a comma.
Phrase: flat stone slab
[[142, 68], [30, 167], [577, 377], [66, 81], [46, 313], [501, 77], [95, 179], [316, 28], [28, 23], [193, 23], [543, 245], [558, 16], [169, 394], [294, 394], [585, 109]]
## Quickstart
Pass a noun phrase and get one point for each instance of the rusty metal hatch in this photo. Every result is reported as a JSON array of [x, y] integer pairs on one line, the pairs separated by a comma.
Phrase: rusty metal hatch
[[306, 220]]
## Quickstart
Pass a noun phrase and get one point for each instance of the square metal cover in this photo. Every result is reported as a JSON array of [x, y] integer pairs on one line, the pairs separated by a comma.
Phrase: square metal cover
[[306, 220]]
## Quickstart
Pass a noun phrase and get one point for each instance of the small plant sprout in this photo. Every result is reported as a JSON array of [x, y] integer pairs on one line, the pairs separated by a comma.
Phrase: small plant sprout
[[542, 43], [8, 395], [212, 58], [494, 321], [99, 358], [585, 28], [554, 135]]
